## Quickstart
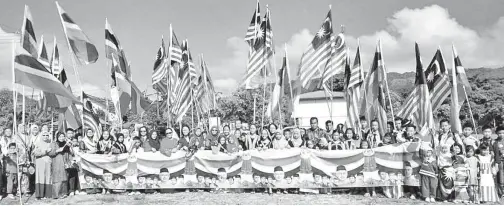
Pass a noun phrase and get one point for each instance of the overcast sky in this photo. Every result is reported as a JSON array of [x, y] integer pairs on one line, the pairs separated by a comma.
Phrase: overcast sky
[[217, 29]]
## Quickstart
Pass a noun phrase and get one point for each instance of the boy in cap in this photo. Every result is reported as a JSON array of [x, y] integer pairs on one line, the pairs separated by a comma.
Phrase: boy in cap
[[428, 176]]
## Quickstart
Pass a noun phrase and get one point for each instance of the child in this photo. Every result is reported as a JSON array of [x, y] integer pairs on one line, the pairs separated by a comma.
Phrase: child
[[73, 170], [428, 176], [473, 165], [487, 184], [445, 163], [387, 140], [487, 137], [498, 150], [468, 138], [279, 175], [461, 180], [369, 190], [11, 170], [323, 144]]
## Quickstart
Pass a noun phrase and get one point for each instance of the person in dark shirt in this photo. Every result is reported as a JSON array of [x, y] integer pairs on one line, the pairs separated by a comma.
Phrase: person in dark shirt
[[315, 132]]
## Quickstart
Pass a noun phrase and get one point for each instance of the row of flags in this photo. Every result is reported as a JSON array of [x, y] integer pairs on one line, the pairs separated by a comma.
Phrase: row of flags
[[33, 68], [327, 55]]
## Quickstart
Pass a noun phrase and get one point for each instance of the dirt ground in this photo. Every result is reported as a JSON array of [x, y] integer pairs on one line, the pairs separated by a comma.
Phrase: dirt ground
[[206, 198]]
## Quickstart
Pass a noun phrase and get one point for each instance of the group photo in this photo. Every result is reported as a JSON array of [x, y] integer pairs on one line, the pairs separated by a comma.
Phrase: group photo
[[299, 110]]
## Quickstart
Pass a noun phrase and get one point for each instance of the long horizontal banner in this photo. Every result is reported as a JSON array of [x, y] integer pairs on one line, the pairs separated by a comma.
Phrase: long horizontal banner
[[289, 168]]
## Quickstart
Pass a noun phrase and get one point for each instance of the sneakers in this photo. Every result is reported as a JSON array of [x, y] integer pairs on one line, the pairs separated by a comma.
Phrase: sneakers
[[412, 197], [427, 199], [432, 199], [11, 196]]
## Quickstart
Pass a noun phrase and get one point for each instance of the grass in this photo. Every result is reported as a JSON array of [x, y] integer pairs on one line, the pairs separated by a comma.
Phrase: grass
[[206, 198]]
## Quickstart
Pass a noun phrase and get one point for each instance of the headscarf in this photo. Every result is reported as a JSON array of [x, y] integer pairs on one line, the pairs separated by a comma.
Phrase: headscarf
[[213, 138], [279, 143]]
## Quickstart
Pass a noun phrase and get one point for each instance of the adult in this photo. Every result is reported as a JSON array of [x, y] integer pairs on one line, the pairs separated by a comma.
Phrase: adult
[[213, 137], [352, 140], [153, 143], [296, 140], [340, 128], [33, 135], [184, 141], [119, 147], [6, 139], [445, 136], [329, 127], [245, 141], [61, 154], [89, 142], [198, 137], [128, 139], [279, 141], [272, 129], [264, 141], [169, 143], [374, 137], [144, 134], [41, 152], [314, 133], [238, 125]]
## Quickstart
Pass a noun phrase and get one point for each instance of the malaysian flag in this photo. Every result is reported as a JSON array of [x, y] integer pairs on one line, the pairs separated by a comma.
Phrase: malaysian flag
[[113, 49], [28, 38], [254, 27], [374, 105], [418, 106], [338, 59], [175, 58], [43, 57], [261, 51], [80, 45], [205, 93], [91, 119], [460, 87], [438, 80], [317, 54], [354, 79], [278, 90], [160, 73], [183, 88]]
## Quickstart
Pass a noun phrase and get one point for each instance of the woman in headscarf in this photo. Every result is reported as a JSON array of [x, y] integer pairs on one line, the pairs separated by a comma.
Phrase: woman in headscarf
[[119, 147], [226, 132], [34, 135], [152, 144], [264, 141], [254, 135], [212, 138], [272, 129], [60, 154], [279, 142], [90, 142], [296, 140], [43, 182]]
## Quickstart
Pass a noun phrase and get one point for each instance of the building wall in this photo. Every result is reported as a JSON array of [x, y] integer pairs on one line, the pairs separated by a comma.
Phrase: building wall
[[320, 109]]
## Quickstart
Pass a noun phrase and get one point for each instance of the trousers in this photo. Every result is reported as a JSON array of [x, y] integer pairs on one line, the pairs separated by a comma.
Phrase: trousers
[[428, 186]]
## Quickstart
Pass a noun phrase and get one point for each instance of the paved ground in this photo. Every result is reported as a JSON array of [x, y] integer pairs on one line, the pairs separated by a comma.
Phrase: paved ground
[[206, 198]]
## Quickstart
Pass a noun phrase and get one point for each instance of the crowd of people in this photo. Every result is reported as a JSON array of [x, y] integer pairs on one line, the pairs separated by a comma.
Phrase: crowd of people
[[454, 167]]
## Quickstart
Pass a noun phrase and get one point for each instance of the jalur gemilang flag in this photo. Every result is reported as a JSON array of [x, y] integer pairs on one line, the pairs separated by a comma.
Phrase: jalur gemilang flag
[[418, 104], [30, 72], [80, 45]]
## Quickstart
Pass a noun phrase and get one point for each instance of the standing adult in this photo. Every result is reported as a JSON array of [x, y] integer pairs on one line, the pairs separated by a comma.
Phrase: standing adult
[[60, 154], [41, 152], [445, 137]]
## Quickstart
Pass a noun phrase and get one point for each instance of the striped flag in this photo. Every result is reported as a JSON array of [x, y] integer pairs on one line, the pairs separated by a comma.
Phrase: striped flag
[[261, 51], [56, 65], [278, 90], [69, 117], [121, 90], [374, 91], [139, 103], [183, 88], [160, 73], [254, 27], [205, 92], [418, 104], [460, 85], [354, 76], [30, 72], [82, 48], [113, 49], [175, 56], [43, 57], [338, 59], [91, 120], [317, 54], [438, 80], [28, 38]]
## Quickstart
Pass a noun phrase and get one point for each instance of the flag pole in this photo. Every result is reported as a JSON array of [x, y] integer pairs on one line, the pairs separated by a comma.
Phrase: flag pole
[[14, 93], [168, 80], [386, 83], [254, 95], [470, 110], [74, 63], [24, 106], [264, 83]]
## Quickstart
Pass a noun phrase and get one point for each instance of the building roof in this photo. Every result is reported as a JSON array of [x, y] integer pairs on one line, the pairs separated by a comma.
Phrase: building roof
[[318, 95]]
